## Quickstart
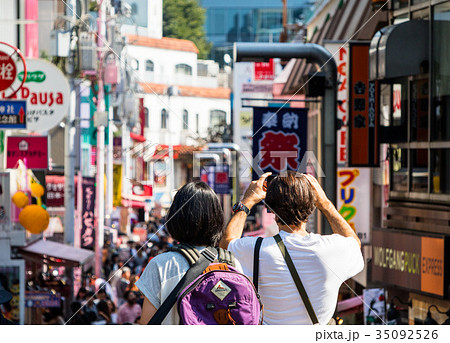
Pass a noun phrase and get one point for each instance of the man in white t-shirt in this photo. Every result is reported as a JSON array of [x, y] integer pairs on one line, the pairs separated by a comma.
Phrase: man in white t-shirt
[[322, 262]]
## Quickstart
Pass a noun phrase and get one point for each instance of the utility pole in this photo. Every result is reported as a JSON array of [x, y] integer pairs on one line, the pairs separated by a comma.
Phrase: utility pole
[[100, 196]]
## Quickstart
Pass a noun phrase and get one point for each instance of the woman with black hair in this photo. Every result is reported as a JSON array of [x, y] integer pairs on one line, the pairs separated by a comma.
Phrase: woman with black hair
[[195, 218]]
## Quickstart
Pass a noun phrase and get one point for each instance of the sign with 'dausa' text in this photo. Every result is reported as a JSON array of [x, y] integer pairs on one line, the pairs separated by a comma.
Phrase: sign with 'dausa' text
[[47, 92]]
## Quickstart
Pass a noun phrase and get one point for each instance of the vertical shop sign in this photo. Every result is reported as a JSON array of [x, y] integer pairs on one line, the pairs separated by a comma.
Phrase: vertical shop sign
[[342, 114], [87, 218], [363, 121], [279, 139], [353, 200]]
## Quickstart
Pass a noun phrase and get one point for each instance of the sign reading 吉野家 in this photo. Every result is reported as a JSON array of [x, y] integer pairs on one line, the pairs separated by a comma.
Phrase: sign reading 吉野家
[[279, 139], [46, 92], [363, 120], [33, 150], [87, 219], [410, 261], [13, 114], [353, 199]]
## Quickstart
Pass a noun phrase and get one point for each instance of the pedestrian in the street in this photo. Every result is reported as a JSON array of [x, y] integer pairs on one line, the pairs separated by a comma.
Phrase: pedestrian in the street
[[323, 262], [196, 218], [78, 317], [129, 311]]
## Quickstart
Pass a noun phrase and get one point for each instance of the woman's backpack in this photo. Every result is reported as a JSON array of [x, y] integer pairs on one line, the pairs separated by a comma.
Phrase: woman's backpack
[[212, 293]]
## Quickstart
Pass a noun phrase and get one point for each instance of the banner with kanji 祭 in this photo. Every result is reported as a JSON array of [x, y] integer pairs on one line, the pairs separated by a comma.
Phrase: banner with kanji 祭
[[87, 218], [279, 139]]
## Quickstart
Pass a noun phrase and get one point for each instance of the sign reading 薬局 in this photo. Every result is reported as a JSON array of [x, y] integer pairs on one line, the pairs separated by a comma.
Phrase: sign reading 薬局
[[353, 199], [46, 92], [87, 219], [33, 150], [279, 139]]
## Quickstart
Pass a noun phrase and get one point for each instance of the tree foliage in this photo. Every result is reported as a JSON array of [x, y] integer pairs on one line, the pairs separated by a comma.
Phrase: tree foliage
[[184, 19]]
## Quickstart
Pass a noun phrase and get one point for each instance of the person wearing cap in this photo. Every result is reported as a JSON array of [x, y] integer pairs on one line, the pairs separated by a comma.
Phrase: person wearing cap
[[5, 297]]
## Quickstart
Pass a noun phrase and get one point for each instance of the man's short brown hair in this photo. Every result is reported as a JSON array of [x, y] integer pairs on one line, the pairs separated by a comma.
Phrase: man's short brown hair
[[291, 198]]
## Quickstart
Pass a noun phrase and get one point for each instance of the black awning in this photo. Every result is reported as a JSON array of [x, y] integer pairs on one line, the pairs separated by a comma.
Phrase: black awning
[[400, 50]]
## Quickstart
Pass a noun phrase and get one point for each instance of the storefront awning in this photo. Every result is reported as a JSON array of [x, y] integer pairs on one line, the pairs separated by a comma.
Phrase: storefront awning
[[399, 50], [58, 254]]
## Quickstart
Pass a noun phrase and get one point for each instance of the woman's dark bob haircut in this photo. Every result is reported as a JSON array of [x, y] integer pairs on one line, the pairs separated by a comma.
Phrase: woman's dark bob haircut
[[196, 216]]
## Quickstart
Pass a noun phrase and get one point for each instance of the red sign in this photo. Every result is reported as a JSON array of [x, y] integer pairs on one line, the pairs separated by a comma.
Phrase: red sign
[[32, 150], [55, 190], [7, 71], [264, 70]]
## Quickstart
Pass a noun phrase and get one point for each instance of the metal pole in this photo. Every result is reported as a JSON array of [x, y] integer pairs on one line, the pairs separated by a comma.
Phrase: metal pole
[[100, 196], [69, 169], [109, 169], [255, 52]]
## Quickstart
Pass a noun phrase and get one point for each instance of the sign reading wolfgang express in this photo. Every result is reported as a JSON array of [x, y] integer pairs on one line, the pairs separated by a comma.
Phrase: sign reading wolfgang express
[[414, 262], [46, 91]]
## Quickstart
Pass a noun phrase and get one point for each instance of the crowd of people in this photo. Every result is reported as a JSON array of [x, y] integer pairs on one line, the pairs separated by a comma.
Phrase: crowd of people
[[114, 298]]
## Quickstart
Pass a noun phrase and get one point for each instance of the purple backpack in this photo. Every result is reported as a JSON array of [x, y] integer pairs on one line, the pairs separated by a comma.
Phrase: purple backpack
[[212, 293]]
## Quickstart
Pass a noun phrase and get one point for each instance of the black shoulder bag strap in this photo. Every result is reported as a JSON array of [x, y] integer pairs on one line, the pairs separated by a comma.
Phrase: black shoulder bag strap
[[296, 278], [207, 256], [256, 262]]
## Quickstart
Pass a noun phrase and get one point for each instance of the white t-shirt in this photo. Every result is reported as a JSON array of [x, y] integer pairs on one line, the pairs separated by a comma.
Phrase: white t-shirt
[[161, 276], [323, 264]]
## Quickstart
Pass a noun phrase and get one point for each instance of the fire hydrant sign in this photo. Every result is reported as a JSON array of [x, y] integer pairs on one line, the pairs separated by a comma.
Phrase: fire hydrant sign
[[7, 71], [46, 91], [32, 150]]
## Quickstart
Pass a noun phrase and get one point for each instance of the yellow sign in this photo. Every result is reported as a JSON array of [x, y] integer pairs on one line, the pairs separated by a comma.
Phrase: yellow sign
[[117, 185]]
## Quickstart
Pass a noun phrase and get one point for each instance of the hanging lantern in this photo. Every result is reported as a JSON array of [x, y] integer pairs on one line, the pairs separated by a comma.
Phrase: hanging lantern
[[34, 219]]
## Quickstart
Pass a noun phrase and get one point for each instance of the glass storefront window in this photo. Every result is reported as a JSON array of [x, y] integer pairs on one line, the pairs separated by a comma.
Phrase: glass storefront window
[[419, 170], [399, 158], [441, 74], [419, 110], [440, 165]]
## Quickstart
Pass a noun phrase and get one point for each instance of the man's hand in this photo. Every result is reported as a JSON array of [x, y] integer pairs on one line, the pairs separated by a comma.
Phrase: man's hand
[[321, 200], [255, 192]]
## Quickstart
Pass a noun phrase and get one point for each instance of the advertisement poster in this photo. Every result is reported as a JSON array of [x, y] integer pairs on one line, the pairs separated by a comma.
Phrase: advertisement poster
[[87, 218], [279, 139]]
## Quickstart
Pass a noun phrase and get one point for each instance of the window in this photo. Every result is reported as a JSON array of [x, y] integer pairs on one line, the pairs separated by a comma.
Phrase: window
[[183, 68], [149, 66], [185, 120], [218, 117], [440, 177], [399, 169], [164, 118], [440, 87]]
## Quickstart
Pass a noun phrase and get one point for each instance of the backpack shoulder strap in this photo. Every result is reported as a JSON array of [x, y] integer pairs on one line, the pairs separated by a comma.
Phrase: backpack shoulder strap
[[207, 256], [226, 256], [297, 280], [188, 251], [256, 262]]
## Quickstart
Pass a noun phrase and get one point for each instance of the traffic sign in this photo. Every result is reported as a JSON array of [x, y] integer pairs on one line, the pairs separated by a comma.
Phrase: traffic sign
[[13, 114]]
